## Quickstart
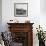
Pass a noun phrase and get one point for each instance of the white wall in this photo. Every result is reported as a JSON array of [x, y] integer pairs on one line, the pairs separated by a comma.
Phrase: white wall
[[8, 11], [43, 6], [43, 14], [33, 14]]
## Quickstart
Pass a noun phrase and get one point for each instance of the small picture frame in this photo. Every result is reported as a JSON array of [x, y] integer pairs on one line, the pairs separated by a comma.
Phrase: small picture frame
[[20, 9]]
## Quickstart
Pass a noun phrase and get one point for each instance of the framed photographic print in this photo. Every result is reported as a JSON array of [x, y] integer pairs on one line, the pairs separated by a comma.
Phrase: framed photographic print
[[20, 9]]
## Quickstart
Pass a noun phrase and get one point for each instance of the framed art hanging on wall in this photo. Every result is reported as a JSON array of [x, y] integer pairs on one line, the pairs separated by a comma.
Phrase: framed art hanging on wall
[[20, 9]]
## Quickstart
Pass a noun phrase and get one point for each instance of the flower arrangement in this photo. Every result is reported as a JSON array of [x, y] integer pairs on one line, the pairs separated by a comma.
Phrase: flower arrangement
[[40, 34]]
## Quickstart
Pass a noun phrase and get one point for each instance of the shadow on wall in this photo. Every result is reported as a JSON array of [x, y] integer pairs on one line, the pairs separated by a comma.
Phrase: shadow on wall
[[0, 15], [43, 6]]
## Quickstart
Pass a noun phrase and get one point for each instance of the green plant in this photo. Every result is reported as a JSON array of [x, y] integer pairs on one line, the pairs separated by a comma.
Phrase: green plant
[[40, 34]]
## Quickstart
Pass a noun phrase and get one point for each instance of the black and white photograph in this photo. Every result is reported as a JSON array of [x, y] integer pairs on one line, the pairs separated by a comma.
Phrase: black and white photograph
[[20, 9]]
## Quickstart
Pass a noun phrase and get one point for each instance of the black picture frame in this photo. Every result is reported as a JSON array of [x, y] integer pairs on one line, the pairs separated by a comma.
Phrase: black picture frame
[[20, 9]]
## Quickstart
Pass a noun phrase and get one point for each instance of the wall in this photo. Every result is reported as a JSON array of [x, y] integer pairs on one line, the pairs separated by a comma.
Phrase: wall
[[43, 14], [8, 11], [0, 15], [43, 6], [33, 14]]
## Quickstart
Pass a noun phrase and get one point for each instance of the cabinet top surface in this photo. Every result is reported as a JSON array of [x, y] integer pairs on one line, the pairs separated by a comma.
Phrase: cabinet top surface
[[19, 23]]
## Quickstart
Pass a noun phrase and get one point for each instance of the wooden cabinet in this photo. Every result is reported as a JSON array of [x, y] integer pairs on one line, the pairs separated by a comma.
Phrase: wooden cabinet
[[22, 33]]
